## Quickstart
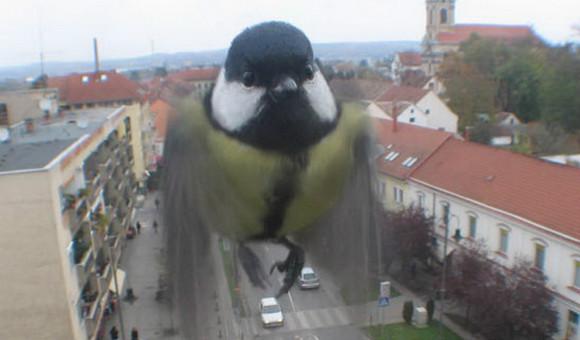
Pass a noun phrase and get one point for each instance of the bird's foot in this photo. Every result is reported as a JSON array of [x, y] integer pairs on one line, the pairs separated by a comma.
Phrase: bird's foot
[[292, 266], [252, 266]]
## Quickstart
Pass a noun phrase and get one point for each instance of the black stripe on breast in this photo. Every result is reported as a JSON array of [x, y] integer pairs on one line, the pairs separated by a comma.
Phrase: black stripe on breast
[[281, 196]]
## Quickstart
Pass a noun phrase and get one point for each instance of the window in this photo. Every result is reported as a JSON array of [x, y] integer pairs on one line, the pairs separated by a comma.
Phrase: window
[[409, 162], [443, 16], [412, 120], [428, 111], [421, 200], [503, 240], [572, 328], [540, 256], [382, 189], [577, 273], [398, 195], [85, 79], [445, 213], [472, 226], [392, 156]]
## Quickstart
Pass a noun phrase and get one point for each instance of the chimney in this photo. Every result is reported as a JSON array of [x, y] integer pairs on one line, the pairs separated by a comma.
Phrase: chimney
[[467, 133], [395, 113], [96, 51], [29, 123]]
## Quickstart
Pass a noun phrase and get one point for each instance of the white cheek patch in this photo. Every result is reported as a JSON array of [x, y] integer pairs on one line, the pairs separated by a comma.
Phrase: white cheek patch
[[233, 105], [320, 97]]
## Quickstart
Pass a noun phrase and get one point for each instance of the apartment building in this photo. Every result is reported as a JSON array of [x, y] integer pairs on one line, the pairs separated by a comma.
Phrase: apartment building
[[68, 195], [519, 206], [109, 89]]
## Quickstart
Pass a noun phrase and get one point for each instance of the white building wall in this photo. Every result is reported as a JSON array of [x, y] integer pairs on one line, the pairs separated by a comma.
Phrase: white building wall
[[439, 115], [560, 252], [414, 115]]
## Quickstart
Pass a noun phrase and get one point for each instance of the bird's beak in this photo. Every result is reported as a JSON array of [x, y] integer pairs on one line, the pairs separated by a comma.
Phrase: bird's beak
[[285, 86]]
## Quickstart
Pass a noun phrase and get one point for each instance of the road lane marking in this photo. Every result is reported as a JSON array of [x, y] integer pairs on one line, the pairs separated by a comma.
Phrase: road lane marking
[[326, 318], [292, 302], [291, 322], [314, 320], [303, 320]]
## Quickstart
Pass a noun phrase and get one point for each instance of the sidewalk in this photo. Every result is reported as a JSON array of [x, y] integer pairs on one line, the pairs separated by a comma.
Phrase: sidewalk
[[142, 262]]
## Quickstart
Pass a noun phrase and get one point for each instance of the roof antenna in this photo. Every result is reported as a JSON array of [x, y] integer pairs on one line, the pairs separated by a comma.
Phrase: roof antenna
[[39, 18]]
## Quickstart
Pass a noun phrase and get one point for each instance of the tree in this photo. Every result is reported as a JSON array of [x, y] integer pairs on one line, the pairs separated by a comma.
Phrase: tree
[[481, 132], [561, 89], [468, 278], [410, 233], [546, 138], [468, 90], [502, 303]]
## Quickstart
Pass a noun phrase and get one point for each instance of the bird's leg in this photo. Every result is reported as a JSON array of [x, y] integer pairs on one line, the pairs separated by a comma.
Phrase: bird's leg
[[252, 266], [292, 265]]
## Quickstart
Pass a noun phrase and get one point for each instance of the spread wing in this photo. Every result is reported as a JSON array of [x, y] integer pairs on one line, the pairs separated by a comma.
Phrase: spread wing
[[344, 242], [191, 189]]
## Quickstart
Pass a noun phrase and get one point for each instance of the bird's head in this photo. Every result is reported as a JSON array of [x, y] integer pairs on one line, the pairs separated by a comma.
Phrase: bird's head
[[270, 93]]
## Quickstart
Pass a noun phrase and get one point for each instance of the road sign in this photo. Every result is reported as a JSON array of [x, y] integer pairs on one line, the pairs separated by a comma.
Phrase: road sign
[[385, 289], [384, 301]]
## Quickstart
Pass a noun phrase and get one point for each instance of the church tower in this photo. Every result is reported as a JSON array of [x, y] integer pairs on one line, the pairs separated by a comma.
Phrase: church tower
[[440, 16]]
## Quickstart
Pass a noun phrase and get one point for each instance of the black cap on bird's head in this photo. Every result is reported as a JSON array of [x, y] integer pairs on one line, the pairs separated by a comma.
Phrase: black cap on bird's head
[[270, 93]]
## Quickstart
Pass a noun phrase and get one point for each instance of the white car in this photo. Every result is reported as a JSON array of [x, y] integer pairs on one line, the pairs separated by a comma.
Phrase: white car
[[308, 279], [271, 312]]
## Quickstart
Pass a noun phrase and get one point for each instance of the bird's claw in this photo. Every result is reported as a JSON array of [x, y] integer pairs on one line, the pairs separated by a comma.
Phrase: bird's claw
[[291, 266]]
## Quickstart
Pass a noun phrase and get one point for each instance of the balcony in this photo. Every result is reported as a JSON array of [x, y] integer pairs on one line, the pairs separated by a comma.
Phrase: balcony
[[71, 220], [104, 277], [84, 267]]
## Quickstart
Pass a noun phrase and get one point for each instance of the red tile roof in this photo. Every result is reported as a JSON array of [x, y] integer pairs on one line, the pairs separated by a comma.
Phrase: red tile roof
[[104, 86], [536, 190], [402, 93], [195, 74], [460, 33], [409, 141], [162, 111], [410, 58]]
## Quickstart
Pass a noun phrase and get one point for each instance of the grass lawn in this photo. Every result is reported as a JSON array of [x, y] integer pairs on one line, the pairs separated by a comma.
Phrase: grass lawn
[[402, 331]]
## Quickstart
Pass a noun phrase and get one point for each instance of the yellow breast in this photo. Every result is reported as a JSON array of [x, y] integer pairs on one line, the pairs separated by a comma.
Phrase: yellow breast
[[250, 173]]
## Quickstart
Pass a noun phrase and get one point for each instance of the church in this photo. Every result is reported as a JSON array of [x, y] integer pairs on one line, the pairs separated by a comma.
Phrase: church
[[443, 35]]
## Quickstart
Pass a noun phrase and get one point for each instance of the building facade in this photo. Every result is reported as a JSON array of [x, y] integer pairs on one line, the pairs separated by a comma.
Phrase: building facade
[[415, 106], [68, 199], [517, 205]]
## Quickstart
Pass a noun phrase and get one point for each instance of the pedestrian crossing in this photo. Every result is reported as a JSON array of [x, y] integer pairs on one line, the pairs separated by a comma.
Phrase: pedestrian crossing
[[302, 320]]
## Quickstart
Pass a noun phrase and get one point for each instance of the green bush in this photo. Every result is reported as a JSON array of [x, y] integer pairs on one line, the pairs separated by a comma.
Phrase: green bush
[[430, 309], [408, 311]]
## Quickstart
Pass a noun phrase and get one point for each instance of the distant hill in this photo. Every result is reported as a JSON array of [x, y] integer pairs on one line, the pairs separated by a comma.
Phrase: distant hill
[[326, 51]]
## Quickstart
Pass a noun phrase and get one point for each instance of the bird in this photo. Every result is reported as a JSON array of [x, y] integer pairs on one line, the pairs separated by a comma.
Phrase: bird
[[269, 155]]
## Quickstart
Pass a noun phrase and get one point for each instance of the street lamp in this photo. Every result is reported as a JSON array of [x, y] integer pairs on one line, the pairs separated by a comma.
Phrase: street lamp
[[457, 238]]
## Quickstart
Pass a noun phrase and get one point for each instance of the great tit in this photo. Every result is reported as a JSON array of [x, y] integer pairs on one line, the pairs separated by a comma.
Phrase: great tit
[[268, 154]]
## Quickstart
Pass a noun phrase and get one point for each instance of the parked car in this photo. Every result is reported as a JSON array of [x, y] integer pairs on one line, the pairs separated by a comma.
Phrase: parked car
[[308, 279], [271, 312]]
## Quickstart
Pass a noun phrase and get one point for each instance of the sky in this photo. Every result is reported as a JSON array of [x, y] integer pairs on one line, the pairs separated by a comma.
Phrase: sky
[[64, 29]]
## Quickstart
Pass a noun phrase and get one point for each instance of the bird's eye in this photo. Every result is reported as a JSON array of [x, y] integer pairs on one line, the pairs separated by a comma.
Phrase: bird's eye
[[248, 79], [309, 72]]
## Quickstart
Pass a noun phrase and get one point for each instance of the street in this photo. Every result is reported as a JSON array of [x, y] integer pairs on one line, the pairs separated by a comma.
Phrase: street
[[308, 314]]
